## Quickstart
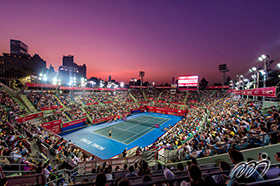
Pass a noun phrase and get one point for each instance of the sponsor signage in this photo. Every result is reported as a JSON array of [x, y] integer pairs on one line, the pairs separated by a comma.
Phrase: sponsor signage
[[74, 122], [51, 108], [54, 126], [218, 87], [266, 92], [30, 117]]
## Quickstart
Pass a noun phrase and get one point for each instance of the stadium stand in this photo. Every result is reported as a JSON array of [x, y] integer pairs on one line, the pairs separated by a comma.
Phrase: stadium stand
[[216, 124]]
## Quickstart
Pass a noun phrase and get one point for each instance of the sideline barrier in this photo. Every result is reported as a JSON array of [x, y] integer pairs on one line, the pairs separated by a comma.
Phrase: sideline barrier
[[170, 111], [30, 117], [34, 179], [54, 126], [73, 124], [87, 166], [51, 108]]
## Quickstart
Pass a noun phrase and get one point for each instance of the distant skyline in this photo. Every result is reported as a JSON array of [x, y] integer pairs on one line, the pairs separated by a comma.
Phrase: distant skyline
[[163, 38]]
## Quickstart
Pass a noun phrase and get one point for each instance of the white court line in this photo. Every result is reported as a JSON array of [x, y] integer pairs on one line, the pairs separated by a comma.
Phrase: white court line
[[109, 138], [143, 134], [126, 130]]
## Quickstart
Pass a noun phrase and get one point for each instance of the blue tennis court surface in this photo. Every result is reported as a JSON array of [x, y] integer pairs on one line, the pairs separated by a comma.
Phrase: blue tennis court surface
[[137, 130]]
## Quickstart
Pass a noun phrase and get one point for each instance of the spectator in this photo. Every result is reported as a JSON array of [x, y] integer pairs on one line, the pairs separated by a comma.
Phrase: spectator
[[131, 172], [195, 177], [101, 179]]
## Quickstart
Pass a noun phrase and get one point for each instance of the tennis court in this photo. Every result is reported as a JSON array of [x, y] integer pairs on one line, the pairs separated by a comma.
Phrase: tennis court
[[138, 130], [130, 130]]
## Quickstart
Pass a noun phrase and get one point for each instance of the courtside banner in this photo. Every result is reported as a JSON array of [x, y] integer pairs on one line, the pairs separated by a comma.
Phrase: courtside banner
[[166, 110], [266, 92], [103, 119], [74, 122], [54, 126], [30, 117], [51, 108], [218, 87], [40, 85]]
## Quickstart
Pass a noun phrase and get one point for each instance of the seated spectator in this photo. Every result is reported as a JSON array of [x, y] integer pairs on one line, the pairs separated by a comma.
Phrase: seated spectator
[[221, 179], [195, 177], [131, 172], [101, 179]]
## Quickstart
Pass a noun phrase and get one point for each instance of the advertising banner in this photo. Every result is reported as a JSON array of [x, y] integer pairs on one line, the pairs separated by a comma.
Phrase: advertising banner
[[40, 85], [74, 122], [218, 87], [54, 126], [95, 103], [51, 108], [103, 119], [267, 92], [166, 110], [30, 117], [177, 103]]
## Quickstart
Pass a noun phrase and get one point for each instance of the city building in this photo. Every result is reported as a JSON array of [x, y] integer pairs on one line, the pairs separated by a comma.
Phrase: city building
[[18, 47], [19, 63], [70, 70]]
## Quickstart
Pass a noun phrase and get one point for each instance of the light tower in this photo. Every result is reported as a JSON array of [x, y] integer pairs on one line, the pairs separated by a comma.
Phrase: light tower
[[141, 74], [223, 68]]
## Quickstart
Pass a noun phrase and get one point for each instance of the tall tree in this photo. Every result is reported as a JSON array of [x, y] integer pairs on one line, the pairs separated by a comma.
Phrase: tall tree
[[203, 84]]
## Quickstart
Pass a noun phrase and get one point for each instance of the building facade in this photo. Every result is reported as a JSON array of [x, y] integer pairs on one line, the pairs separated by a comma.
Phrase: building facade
[[70, 70], [19, 62], [18, 47]]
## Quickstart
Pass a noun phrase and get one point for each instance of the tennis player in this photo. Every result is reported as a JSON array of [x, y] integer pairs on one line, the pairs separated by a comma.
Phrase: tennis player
[[110, 133]]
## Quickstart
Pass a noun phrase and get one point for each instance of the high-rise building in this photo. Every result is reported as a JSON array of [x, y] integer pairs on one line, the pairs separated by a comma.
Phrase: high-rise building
[[18, 47], [19, 62], [69, 69], [110, 78]]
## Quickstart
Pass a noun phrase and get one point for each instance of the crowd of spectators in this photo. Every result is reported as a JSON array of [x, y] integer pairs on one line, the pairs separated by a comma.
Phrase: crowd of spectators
[[231, 122], [9, 109], [55, 115], [41, 100]]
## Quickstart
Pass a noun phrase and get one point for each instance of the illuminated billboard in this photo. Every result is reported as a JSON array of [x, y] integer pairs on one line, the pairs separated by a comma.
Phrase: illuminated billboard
[[188, 81]]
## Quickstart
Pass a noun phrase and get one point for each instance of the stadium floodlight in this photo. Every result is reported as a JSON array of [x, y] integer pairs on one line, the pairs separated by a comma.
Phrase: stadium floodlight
[[278, 65], [122, 84], [262, 72], [264, 56], [250, 70], [254, 69], [41, 74], [260, 59], [241, 76]]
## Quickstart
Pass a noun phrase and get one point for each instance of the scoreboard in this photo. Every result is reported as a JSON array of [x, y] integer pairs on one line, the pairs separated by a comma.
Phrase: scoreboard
[[187, 81]]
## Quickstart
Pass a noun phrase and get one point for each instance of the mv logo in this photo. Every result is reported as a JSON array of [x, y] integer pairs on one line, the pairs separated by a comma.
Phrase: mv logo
[[248, 168]]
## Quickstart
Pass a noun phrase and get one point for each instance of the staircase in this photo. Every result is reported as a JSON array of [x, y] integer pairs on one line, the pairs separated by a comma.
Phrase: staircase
[[133, 97], [186, 97], [26, 101], [83, 109], [144, 95], [58, 100], [88, 116]]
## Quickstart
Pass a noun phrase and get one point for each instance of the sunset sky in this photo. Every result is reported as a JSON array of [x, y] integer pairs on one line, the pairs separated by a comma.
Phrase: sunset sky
[[164, 38]]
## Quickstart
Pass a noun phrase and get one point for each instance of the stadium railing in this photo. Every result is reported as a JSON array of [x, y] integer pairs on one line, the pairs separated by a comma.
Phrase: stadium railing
[[87, 166]]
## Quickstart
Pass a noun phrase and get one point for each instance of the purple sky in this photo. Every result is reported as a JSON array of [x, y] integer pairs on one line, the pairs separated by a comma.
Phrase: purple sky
[[163, 38]]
